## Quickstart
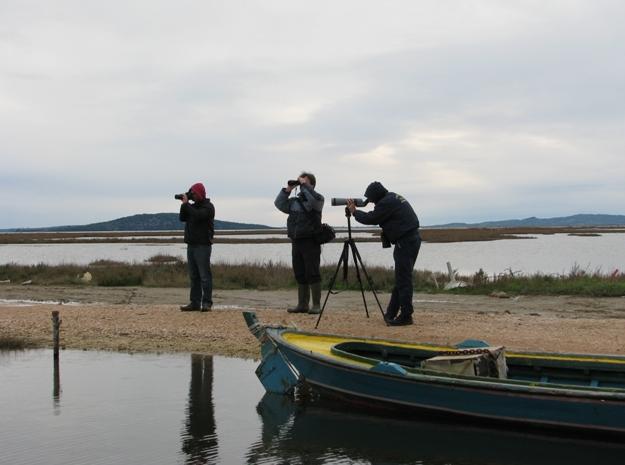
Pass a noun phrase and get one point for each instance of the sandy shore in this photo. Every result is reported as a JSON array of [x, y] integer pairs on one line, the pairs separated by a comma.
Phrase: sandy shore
[[148, 320]]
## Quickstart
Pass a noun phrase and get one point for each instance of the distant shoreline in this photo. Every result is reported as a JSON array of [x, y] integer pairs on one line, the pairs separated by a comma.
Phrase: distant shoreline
[[433, 235]]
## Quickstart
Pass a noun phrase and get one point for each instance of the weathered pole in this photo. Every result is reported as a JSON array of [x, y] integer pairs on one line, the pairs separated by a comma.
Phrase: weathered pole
[[450, 272], [56, 325]]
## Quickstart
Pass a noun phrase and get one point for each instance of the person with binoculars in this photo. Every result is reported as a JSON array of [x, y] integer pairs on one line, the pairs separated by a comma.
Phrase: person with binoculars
[[303, 225], [199, 229], [400, 226]]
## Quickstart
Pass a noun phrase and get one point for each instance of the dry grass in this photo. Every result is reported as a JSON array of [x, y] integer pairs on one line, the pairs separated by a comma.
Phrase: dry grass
[[171, 272]]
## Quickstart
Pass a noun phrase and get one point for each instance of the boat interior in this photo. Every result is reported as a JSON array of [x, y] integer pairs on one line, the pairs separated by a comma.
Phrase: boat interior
[[603, 372]]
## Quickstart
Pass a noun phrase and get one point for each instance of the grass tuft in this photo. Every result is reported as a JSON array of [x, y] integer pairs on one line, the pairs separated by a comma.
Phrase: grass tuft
[[13, 343]]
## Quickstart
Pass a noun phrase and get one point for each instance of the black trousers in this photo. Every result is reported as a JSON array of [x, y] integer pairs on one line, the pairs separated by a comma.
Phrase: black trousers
[[405, 255], [199, 266], [306, 255]]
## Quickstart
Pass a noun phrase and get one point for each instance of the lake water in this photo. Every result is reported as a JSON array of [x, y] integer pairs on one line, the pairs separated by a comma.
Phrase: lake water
[[548, 254], [114, 408]]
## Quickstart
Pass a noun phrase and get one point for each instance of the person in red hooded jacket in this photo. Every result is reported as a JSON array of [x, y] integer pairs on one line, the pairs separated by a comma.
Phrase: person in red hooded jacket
[[199, 218]]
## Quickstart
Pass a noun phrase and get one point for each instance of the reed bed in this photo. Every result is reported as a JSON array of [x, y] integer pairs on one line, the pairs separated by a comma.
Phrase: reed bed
[[166, 271]]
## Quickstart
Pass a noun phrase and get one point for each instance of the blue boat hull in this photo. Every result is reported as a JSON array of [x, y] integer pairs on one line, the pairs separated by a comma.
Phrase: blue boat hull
[[291, 357], [446, 396]]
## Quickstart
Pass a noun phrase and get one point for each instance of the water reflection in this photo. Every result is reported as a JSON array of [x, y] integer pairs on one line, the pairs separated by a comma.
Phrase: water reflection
[[316, 434], [137, 409], [199, 440], [56, 386]]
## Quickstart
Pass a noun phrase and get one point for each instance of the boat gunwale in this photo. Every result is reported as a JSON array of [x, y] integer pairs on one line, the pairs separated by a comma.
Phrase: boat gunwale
[[586, 393], [581, 361], [418, 371]]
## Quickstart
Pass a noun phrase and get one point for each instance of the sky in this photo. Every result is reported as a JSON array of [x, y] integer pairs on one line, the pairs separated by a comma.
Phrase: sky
[[473, 110]]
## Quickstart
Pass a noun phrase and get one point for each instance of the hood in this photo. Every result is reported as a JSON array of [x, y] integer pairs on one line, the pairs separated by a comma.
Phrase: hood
[[199, 193], [375, 191]]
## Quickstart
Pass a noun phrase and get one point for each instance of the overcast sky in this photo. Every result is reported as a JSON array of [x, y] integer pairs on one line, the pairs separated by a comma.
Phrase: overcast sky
[[473, 110]]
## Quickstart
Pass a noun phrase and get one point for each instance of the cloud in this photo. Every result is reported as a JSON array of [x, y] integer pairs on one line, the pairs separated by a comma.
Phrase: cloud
[[516, 108], [383, 155]]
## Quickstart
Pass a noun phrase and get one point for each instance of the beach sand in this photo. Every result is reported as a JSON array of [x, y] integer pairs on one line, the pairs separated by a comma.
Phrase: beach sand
[[149, 320]]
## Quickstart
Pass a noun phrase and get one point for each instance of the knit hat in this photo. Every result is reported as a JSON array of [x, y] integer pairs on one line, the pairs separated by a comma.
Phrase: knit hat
[[375, 191], [199, 193]]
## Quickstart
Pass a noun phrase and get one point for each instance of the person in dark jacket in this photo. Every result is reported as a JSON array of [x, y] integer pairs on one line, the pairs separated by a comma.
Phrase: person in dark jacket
[[303, 225], [199, 229], [400, 226]]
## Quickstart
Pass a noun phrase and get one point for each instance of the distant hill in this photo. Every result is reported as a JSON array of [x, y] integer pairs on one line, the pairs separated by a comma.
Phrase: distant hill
[[170, 222], [533, 222], [142, 222]]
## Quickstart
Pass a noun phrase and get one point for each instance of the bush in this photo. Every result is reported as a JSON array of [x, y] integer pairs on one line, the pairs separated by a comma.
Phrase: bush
[[119, 277], [12, 343]]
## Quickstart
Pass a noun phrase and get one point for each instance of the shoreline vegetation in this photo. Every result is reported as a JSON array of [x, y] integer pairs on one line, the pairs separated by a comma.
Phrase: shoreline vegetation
[[166, 271], [15, 343], [278, 235]]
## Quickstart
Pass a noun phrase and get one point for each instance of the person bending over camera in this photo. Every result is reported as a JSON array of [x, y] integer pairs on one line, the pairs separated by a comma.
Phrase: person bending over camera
[[199, 229], [303, 225], [400, 226]]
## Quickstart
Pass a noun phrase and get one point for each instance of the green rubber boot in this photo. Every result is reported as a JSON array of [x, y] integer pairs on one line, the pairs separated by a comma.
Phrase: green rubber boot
[[303, 296], [315, 290]]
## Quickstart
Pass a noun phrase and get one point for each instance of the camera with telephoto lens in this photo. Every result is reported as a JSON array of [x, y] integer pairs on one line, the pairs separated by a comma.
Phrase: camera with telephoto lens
[[181, 196], [338, 201], [293, 182]]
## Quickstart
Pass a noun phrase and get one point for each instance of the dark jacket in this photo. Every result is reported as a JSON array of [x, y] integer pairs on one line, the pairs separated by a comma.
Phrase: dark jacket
[[304, 212], [200, 222], [392, 212], [199, 218]]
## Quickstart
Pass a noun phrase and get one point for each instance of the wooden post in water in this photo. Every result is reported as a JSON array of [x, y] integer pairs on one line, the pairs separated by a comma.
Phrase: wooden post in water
[[56, 326]]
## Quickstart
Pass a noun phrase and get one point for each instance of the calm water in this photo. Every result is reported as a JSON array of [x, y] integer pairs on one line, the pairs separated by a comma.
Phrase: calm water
[[547, 254], [112, 408]]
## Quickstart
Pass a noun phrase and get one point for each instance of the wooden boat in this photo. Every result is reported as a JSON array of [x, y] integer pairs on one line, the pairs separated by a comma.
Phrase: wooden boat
[[470, 380]]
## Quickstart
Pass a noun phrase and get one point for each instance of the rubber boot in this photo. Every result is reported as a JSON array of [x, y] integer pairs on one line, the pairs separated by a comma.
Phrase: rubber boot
[[315, 290], [303, 296]]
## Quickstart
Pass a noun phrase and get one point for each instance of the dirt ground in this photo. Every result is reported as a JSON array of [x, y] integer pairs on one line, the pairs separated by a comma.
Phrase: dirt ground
[[149, 320]]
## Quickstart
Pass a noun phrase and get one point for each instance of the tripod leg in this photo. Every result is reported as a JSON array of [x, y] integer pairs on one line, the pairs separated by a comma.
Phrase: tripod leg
[[358, 259], [342, 259], [362, 289]]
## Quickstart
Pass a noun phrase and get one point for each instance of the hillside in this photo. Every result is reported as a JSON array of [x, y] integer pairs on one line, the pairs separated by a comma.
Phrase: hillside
[[564, 221], [170, 222], [142, 222]]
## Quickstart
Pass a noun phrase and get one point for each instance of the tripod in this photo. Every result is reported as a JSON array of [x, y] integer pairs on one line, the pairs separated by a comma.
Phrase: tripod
[[358, 264]]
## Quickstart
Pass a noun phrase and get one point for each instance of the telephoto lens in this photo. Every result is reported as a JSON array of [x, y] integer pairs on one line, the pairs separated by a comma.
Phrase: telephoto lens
[[340, 201], [181, 196]]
